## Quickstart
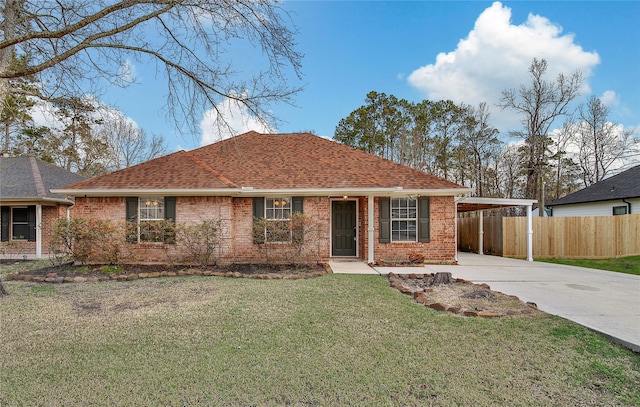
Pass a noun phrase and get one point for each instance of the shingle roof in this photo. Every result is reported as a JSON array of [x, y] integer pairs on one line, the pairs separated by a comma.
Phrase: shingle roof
[[28, 178], [622, 186], [267, 162]]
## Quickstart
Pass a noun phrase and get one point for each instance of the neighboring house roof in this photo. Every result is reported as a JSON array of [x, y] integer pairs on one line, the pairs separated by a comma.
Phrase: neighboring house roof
[[622, 186], [267, 163], [30, 179]]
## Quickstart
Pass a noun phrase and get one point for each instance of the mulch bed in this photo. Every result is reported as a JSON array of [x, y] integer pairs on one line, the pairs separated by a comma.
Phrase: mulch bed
[[69, 273]]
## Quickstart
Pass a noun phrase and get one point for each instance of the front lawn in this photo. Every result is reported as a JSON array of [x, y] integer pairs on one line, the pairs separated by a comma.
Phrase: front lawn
[[629, 265], [327, 341]]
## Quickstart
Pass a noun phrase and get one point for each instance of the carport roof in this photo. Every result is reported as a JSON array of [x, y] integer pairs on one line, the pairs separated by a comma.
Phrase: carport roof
[[469, 204]]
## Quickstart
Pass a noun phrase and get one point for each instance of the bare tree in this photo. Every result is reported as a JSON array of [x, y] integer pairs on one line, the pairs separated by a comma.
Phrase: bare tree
[[508, 170], [563, 174], [539, 105], [72, 44], [601, 143], [479, 145], [129, 143]]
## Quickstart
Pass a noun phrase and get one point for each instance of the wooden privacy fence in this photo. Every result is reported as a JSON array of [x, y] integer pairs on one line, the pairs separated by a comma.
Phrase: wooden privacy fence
[[468, 235], [558, 236]]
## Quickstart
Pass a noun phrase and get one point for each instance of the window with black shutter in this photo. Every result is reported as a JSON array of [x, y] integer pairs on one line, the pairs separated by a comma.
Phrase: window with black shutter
[[273, 219], [404, 220], [151, 219]]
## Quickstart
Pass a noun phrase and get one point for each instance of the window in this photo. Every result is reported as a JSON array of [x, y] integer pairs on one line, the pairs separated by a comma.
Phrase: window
[[273, 219], [278, 220], [404, 220], [150, 219], [619, 210], [19, 224]]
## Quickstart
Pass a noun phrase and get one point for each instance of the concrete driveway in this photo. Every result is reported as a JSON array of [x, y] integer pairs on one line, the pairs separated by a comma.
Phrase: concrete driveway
[[603, 301]]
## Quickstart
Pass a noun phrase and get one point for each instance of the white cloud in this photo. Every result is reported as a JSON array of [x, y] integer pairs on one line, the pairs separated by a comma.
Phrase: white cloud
[[44, 114], [126, 73], [610, 98], [495, 56], [236, 120]]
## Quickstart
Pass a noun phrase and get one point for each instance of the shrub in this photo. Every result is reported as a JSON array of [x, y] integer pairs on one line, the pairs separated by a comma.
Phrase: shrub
[[201, 240], [88, 240], [294, 241]]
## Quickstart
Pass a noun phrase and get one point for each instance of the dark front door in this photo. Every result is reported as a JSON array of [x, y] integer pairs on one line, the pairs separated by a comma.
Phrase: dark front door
[[343, 228]]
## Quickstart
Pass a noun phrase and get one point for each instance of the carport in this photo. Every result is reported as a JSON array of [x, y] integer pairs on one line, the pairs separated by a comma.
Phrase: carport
[[476, 204]]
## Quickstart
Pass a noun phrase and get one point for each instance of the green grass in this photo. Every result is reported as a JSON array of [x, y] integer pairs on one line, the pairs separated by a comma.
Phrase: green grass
[[334, 340], [629, 265]]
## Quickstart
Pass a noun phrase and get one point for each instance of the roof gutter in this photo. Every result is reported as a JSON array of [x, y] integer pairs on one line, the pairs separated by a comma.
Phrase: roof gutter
[[250, 191], [31, 200], [628, 205]]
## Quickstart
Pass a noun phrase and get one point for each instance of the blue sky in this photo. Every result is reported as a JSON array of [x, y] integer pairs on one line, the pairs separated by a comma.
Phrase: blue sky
[[460, 50]]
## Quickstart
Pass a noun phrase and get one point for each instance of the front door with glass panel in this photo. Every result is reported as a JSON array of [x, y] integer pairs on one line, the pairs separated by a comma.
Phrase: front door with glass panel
[[343, 228]]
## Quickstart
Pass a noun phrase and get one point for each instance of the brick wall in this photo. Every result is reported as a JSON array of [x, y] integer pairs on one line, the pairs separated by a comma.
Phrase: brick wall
[[243, 250], [441, 247], [18, 248], [236, 215], [50, 215]]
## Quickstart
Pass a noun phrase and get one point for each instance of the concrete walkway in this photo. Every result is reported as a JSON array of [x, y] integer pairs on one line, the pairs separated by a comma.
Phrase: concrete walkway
[[604, 301]]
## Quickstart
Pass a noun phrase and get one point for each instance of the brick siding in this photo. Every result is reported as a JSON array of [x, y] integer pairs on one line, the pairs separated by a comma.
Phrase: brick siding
[[16, 249], [236, 215], [441, 247]]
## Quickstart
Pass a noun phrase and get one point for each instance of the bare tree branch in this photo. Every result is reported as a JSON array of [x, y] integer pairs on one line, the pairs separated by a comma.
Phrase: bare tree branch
[[71, 44]]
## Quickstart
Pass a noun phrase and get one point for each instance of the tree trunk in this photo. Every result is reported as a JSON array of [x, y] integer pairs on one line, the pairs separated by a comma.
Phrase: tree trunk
[[441, 278]]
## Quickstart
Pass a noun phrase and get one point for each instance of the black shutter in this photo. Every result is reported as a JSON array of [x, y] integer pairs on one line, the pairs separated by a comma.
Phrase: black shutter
[[297, 204], [31, 220], [132, 209], [424, 216], [132, 217], [258, 213], [170, 215], [384, 205], [258, 208], [170, 208], [5, 214]]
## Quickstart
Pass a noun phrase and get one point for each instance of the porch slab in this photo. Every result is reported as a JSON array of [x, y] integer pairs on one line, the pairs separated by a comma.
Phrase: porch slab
[[351, 267]]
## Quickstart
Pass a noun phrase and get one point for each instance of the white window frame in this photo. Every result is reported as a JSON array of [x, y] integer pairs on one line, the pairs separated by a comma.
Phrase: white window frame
[[278, 209], [401, 212], [14, 223], [153, 208]]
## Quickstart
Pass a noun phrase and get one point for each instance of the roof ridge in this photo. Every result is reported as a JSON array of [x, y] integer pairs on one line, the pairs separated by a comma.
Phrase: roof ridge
[[37, 177], [211, 170], [307, 153]]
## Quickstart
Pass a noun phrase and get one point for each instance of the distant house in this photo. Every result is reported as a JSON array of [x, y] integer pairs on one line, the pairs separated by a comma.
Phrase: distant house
[[617, 195], [27, 205], [368, 207]]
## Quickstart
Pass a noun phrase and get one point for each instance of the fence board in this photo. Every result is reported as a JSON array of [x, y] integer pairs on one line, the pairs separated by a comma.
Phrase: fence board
[[468, 234], [492, 226], [573, 237], [492, 236]]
